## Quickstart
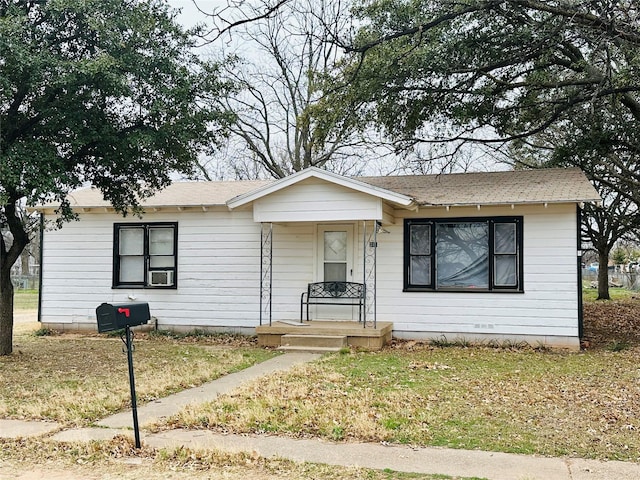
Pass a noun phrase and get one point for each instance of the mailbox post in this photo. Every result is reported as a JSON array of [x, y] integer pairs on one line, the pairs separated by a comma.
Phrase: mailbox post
[[124, 316]]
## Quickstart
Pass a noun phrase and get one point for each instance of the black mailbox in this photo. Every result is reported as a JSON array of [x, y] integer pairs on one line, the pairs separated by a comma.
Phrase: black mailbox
[[117, 316]]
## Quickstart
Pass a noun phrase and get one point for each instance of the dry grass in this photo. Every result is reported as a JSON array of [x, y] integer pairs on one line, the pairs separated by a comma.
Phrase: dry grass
[[524, 401], [118, 459], [77, 380], [512, 400]]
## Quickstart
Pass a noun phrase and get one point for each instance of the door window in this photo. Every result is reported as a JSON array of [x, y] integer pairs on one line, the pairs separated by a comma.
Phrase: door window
[[335, 256]]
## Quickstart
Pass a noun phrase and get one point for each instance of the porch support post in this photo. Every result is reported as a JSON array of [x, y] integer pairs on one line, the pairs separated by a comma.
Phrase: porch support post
[[369, 248], [266, 271]]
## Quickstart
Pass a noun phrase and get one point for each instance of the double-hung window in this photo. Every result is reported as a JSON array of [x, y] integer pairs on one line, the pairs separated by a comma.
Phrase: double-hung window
[[145, 255], [464, 254]]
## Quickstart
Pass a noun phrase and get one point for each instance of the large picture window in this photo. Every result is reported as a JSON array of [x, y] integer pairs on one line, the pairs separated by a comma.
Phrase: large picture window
[[145, 255], [464, 254]]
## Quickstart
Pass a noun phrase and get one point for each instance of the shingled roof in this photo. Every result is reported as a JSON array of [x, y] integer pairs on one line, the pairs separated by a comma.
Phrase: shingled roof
[[487, 188], [178, 194], [553, 185]]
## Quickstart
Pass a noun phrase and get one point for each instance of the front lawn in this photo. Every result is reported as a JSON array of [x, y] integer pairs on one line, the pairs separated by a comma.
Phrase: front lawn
[[521, 400], [78, 380]]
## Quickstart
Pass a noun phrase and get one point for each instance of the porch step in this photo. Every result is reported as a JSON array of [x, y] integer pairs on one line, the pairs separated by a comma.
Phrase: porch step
[[315, 343]]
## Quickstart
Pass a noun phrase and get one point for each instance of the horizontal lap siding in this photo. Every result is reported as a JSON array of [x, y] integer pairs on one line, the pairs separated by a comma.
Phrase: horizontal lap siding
[[293, 267], [317, 201], [218, 270], [219, 274], [547, 307]]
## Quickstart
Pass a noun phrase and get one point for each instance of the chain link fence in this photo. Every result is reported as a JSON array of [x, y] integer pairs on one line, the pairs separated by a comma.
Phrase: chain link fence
[[628, 280]]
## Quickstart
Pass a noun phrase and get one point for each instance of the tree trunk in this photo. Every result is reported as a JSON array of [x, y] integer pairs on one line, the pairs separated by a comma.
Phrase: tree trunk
[[24, 262], [6, 311], [8, 256], [603, 274]]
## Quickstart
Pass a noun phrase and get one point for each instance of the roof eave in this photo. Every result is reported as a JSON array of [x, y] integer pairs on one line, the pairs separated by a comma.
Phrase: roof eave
[[517, 202]]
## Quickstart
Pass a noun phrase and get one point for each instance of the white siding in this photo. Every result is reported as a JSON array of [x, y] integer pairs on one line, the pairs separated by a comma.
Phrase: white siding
[[548, 306], [315, 200], [293, 267], [219, 275], [218, 271]]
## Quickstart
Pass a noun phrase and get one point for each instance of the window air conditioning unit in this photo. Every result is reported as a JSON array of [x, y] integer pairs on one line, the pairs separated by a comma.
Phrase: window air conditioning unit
[[161, 279]]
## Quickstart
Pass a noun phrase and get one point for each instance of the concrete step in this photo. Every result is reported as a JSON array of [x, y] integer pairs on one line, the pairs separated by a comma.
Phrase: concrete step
[[291, 348], [324, 341], [312, 343]]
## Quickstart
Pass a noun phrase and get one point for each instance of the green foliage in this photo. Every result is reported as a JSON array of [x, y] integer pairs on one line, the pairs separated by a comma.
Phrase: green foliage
[[101, 92], [44, 332], [436, 70], [618, 346], [618, 256], [443, 342]]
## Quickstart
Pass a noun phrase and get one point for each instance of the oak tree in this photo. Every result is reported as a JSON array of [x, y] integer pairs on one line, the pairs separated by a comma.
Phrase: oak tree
[[561, 78], [100, 92]]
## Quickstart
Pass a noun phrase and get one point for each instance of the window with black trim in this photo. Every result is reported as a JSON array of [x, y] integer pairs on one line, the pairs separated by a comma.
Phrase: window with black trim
[[145, 255], [463, 254]]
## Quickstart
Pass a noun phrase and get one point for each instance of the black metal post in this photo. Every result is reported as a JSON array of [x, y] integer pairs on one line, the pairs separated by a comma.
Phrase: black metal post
[[132, 383]]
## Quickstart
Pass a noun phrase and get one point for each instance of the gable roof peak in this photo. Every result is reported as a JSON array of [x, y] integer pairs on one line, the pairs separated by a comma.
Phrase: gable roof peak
[[325, 175]]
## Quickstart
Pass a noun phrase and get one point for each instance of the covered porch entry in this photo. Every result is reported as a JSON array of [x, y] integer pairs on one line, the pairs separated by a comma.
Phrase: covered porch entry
[[335, 297], [323, 229]]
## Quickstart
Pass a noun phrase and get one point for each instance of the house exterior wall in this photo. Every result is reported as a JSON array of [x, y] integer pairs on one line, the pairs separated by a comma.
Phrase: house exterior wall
[[219, 276], [314, 200], [547, 310], [218, 272]]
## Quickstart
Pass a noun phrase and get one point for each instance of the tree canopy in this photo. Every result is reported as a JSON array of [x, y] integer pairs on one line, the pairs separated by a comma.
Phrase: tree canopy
[[101, 92], [556, 82], [283, 54], [494, 71]]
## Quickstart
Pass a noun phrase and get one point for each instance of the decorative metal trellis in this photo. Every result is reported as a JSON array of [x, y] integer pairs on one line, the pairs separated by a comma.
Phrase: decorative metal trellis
[[369, 248], [370, 245], [266, 271]]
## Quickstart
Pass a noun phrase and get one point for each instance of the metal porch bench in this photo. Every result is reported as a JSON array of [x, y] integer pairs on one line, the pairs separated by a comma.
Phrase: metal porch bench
[[333, 293]]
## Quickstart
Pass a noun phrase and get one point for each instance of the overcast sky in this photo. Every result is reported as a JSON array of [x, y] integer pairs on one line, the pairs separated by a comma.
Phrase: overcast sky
[[189, 13]]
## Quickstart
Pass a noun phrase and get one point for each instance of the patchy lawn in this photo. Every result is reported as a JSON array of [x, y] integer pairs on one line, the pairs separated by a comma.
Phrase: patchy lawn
[[518, 400], [118, 459], [77, 380], [523, 401]]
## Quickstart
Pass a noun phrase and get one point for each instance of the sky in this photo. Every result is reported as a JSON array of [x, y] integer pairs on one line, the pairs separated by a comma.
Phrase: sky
[[190, 14]]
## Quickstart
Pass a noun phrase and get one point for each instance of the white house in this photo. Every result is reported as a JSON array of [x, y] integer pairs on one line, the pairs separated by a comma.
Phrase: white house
[[475, 255]]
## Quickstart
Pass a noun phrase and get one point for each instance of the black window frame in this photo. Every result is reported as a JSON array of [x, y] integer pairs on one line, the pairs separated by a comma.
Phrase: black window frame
[[146, 226], [491, 221]]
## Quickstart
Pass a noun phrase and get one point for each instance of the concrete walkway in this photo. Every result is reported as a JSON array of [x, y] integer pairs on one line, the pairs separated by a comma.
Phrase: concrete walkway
[[464, 463], [165, 407]]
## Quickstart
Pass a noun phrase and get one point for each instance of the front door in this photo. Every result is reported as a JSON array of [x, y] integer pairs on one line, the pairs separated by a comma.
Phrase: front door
[[335, 264]]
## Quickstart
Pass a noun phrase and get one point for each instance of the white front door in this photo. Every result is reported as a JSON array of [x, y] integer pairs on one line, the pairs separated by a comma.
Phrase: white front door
[[335, 249]]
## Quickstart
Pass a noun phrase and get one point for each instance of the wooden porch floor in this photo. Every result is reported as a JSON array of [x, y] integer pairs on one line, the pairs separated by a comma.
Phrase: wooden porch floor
[[357, 336]]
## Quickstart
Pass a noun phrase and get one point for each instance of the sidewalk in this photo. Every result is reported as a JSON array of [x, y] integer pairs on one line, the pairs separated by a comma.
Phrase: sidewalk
[[465, 463]]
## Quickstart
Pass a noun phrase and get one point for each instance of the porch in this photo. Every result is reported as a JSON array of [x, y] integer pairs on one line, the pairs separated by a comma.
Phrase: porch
[[283, 333]]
